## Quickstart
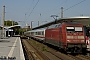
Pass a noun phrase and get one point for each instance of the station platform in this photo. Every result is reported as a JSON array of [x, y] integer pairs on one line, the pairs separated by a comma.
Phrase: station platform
[[11, 49]]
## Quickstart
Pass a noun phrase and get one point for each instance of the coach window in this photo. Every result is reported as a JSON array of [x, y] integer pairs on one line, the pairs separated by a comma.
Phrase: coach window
[[70, 29], [38, 33], [42, 33], [31, 32]]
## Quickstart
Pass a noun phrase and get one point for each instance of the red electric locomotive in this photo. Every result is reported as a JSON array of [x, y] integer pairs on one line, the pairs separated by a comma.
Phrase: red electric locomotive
[[68, 36]]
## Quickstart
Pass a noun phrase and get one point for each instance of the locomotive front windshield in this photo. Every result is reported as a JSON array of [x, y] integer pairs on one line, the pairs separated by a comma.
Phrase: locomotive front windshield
[[74, 29]]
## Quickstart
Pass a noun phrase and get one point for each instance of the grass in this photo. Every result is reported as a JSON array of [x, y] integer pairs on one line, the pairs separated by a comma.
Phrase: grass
[[44, 48]]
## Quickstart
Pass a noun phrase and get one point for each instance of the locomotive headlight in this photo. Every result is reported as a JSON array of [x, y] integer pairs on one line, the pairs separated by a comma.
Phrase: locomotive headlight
[[68, 40], [69, 37], [80, 37]]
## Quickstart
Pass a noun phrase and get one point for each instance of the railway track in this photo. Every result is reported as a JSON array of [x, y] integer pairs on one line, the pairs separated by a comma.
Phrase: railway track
[[32, 52], [79, 57], [83, 57], [46, 55]]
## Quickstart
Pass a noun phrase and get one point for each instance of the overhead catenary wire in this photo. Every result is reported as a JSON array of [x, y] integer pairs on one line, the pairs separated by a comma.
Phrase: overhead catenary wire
[[32, 10], [30, 7], [73, 6]]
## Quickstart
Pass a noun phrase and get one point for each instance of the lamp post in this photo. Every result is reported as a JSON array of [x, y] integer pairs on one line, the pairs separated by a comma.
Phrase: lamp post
[[0, 18], [31, 24], [61, 12], [39, 22], [3, 19]]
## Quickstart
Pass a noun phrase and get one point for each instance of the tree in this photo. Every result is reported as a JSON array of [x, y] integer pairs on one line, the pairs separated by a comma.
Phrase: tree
[[10, 23], [21, 31]]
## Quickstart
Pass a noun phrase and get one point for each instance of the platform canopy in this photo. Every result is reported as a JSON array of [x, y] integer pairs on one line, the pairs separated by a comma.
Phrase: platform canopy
[[85, 20], [15, 26], [11, 27]]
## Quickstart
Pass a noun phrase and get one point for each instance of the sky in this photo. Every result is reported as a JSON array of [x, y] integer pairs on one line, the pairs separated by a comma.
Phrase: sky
[[25, 11]]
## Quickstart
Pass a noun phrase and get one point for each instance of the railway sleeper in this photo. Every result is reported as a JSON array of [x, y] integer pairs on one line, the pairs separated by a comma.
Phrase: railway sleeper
[[34, 54]]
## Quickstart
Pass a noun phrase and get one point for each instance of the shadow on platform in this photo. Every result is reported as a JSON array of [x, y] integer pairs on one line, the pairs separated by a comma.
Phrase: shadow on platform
[[12, 46], [4, 41]]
